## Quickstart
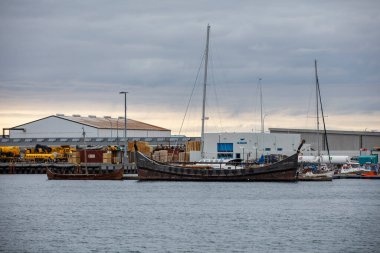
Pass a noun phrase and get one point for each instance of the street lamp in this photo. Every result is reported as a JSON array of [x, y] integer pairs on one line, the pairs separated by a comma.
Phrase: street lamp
[[125, 127], [85, 148]]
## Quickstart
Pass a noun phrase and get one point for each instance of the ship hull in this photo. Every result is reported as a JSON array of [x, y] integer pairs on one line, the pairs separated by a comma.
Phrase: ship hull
[[283, 171], [115, 175]]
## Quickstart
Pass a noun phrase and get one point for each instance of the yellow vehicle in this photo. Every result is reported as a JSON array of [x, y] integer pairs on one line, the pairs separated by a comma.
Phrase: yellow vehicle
[[62, 153], [39, 157], [9, 153], [40, 153], [39, 149]]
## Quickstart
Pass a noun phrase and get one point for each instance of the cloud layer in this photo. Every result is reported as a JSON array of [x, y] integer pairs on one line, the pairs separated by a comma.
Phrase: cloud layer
[[74, 57]]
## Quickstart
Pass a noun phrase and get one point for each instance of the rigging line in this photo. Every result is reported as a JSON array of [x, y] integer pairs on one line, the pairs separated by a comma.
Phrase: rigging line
[[323, 117], [308, 107], [192, 92], [215, 93], [257, 105]]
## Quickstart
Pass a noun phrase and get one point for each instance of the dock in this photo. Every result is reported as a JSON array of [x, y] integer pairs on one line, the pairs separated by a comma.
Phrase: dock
[[40, 168], [353, 176]]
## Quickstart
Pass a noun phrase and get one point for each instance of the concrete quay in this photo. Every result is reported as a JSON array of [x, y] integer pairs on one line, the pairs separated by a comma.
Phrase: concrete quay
[[40, 168]]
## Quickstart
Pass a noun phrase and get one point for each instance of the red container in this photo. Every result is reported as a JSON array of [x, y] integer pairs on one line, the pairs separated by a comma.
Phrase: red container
[[93, 156]]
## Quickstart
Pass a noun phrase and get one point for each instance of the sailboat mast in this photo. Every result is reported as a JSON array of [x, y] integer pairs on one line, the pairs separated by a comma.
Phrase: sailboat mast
[[323, 116], [204, 93], [317, 107]]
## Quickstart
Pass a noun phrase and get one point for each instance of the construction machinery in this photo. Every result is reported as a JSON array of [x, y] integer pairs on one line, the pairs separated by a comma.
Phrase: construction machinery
[[40, 153], [9, 153]]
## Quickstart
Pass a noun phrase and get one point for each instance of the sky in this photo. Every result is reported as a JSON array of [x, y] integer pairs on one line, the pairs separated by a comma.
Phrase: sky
[[74, 57]]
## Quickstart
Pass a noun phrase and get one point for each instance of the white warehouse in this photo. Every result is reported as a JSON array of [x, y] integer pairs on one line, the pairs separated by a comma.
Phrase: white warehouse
[[249, 145], [59, 125]]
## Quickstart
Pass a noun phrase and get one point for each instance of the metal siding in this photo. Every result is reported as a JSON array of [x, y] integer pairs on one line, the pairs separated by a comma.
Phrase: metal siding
[[370, 141], [53, 127], [340, 142], [343, 142]]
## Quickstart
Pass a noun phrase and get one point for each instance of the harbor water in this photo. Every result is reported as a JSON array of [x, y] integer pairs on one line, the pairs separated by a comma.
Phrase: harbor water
[[37, 215]]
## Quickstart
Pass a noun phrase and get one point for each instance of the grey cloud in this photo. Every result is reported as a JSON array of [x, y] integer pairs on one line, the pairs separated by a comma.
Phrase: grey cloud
[[92, 49]]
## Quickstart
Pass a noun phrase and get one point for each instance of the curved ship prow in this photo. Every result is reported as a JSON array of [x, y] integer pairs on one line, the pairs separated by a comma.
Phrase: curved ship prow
[[284, 171]]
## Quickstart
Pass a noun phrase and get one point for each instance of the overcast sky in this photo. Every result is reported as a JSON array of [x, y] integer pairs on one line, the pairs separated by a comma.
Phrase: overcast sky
[[74, 57]]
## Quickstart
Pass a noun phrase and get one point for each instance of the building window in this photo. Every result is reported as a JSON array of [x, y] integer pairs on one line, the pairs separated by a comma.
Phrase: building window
[[225, 147], [267, 149], [225, 155], [237, 155], [279, 149]]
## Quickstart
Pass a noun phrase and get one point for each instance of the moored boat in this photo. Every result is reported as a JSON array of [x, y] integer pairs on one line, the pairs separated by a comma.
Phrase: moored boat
[[310, 176], [149, 169], [114, 175]]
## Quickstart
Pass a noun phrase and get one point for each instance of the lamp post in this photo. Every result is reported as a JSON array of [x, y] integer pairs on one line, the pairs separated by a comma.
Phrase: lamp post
[[125, 127], [85, 148]]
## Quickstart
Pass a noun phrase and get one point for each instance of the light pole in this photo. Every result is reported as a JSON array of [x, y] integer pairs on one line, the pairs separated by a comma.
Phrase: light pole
[[109, 119], [85, 148], [125, 127]]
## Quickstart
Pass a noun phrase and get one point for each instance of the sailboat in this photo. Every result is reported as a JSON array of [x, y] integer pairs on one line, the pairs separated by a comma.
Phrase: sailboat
[[322, 172], [149, 169]]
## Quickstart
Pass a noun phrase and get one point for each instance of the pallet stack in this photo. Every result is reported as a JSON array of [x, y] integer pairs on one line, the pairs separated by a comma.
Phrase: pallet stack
[[183, 157], [193, 146], [161, 156], [107, 157], [142, 146], [74, 158]]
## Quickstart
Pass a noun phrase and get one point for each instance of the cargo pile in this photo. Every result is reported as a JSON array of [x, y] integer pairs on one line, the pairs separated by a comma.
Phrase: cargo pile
[[160, 155], [74, 158], [142, 146], [108, 155]]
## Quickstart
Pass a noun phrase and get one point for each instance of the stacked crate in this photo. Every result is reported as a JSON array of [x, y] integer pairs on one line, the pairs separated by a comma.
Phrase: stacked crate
[[190, 146], [142, 146], [193, 146], [182, 157], [173, 155], [161, 156], [74, 158], [107, 157]]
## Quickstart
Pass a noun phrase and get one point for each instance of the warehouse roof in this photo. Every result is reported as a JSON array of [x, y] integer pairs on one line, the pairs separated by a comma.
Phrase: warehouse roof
[[106, 122], [287, 130]]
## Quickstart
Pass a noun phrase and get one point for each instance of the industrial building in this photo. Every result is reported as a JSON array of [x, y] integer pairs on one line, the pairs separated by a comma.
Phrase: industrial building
[[249, 145], [60, 129], [61, 126], [339, 142]]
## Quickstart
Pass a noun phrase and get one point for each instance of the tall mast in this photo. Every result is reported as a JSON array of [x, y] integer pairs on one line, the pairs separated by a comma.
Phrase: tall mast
[[204, 93], [323, 116], [317, 105], [261, 106]]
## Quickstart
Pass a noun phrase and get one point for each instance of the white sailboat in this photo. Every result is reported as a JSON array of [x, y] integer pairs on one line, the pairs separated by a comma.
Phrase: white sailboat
[[323, 172]]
